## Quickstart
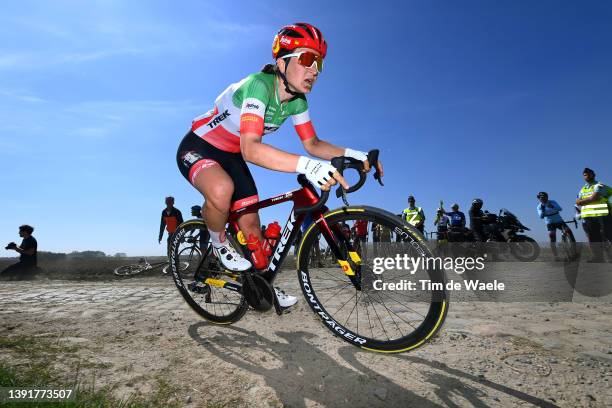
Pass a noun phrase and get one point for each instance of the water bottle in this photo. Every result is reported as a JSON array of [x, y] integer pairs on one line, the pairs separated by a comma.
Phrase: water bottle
[[258, 256], [272, 234]]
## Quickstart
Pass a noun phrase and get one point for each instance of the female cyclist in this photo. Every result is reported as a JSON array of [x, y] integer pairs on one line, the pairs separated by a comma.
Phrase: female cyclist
[[213, 155]]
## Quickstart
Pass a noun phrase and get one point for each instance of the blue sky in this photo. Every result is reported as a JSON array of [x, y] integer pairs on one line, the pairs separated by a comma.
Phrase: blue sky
[[497, 100]]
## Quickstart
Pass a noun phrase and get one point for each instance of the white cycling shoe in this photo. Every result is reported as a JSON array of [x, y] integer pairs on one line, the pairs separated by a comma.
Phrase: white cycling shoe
[[284, 300], [230, 259]]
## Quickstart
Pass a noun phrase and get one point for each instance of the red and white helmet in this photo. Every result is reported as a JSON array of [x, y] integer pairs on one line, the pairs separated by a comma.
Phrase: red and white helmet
[[298, 35]]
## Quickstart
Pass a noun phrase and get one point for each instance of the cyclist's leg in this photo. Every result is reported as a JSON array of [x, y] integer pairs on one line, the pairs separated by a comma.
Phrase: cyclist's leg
[[206, 168], [218, 187], [245, 193]]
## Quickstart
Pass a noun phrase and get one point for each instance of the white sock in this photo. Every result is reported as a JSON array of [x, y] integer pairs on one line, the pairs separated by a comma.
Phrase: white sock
[[217, 238]]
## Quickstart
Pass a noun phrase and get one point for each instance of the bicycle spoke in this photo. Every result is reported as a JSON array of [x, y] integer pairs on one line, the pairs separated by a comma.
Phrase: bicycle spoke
[[352, 310], [380, 321], [391, 313], [345, 303], [406, 306], [335, 293]]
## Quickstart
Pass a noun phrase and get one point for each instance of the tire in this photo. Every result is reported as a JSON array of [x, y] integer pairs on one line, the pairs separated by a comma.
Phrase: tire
[[327, 290], [524, 248], [570, 248], [129, 270], [190, 243]]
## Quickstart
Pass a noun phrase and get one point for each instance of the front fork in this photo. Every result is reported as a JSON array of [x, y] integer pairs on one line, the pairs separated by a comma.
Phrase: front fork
[[349, 260]]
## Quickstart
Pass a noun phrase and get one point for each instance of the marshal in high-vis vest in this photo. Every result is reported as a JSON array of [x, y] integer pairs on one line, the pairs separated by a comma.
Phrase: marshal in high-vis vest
[[594, 198], [414, 215]]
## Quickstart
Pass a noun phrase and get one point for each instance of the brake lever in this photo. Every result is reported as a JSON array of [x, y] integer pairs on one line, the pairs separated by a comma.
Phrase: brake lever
[[342, 192], [373, 160], [339, 163], [378, 178]]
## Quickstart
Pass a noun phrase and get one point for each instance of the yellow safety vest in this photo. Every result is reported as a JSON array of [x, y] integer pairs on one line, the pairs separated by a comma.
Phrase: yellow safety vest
[[597, 208], [413, 216]]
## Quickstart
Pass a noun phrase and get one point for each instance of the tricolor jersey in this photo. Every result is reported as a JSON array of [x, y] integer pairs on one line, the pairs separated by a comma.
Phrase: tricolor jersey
[[251, 105]]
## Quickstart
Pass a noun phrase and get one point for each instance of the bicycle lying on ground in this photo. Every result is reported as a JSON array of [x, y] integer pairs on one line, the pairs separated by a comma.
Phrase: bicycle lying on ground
[[144, 265], [356, 303]]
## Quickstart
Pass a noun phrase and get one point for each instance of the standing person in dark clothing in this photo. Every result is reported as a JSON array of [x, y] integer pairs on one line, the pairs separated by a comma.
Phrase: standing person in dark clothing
[[170, 219], [27, 252], [477, 219]]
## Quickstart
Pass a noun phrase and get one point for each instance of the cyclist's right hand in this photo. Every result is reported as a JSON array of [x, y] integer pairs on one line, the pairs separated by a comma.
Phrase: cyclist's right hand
[[320, 173]]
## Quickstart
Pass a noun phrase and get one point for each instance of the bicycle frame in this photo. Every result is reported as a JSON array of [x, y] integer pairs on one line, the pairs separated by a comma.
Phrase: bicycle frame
[[302, 197]]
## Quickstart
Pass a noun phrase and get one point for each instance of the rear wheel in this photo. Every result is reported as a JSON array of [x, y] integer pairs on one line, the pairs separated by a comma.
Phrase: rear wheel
[[375, 310], [200, 283], [183, 266], [128, 270]]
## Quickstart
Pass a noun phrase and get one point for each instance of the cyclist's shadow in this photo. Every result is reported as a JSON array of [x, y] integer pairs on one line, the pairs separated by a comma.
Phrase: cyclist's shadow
[[450, 382], [303, 371]]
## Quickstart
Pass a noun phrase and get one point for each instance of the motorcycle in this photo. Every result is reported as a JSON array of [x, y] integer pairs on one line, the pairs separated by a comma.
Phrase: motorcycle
[[506, 227]]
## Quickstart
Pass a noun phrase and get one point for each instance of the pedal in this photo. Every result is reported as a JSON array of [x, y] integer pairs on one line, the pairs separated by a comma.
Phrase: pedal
[[257, 292], [202, 290]]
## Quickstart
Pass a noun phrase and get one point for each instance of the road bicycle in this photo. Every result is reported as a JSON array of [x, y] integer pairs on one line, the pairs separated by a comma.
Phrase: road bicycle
[[354, 299], [144, 265]]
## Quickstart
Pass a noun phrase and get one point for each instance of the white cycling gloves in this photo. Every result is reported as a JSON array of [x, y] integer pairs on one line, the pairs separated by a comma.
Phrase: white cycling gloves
[[356, 154], [316, 171], [320, 172]]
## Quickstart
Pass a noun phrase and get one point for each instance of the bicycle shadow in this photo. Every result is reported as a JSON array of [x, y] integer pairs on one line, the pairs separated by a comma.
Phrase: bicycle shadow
[[305, 372]]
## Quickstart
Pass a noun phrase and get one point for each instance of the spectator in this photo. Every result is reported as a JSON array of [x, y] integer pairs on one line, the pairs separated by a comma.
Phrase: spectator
[[380, 236], [457, 218], [477, 220], [27, 252], [171, 218], [442, 222], [414, 215], [196, 211], [360, 231], [549, 211], [595, 211]]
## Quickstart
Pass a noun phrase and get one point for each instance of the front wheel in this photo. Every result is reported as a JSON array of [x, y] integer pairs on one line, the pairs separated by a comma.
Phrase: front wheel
[[568, 243], [369, 302], [524, 248]]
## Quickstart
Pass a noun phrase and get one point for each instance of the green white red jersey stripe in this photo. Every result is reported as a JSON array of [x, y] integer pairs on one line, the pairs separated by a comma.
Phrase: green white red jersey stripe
[[251, 105]]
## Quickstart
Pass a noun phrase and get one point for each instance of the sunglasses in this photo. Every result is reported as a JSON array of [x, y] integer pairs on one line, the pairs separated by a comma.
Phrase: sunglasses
[[308, 59]]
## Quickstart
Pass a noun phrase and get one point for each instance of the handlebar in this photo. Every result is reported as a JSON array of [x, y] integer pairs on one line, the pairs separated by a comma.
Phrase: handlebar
[[319, 204], [574, 221], [343, 163]]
